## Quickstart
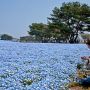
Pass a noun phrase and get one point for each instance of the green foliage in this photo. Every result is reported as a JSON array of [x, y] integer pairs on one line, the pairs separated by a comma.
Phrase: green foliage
[[79, 66], [68, 19], [64, 22], [4, 76], [6, 37], [27, 82], [37, 29]]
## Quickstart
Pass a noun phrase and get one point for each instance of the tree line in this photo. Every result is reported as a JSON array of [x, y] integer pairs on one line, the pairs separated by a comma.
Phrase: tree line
[[6, 37], [64, 23]]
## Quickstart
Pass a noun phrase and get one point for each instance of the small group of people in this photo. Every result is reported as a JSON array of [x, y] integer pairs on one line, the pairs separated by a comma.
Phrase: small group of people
[[86, 81], [87, 58]]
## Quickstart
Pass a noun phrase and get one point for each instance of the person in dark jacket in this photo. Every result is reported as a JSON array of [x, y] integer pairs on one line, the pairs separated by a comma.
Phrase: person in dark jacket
[[85, 82]]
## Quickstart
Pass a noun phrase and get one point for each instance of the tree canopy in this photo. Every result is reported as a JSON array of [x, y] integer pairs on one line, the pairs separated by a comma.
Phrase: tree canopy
[[38, 29], [6, 37], [65, 22], [70, 18]]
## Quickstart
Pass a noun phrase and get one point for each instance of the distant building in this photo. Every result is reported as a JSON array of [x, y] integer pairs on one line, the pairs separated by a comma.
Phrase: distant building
[[30, 38]]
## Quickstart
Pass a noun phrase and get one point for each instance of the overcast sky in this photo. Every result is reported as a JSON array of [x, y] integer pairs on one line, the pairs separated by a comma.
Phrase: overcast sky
[[17, 15]]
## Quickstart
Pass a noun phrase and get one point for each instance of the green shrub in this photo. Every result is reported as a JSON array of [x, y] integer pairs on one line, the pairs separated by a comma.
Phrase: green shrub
[[79, 66], [27, 82]]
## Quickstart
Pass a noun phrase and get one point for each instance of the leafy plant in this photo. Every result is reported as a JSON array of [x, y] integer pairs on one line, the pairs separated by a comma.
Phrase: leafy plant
[[27, 82], [79, 66]]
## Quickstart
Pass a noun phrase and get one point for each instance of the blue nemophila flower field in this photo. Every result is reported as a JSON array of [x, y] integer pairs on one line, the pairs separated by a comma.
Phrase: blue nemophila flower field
[[38, 66]]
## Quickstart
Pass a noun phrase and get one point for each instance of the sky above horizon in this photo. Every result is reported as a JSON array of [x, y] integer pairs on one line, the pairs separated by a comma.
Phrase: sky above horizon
[[17, 15]]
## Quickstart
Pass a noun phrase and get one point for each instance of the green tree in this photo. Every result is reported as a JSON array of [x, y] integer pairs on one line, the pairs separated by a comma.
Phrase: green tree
[[37, 29], [69, 19], [6, 37]]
